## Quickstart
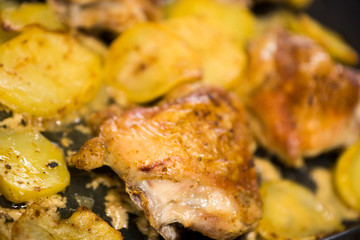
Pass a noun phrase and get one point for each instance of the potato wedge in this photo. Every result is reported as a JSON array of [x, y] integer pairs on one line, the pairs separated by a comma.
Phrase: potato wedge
[[45, 73], [232, 16], [16, 18], [146, 61], [222, 59], [30, 166], [291, 211], [37, 224], [347, 177]]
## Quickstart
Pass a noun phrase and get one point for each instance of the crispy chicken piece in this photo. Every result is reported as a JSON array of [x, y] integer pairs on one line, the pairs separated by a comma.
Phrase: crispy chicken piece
[[301, 102], [186, 160], [111, 15]]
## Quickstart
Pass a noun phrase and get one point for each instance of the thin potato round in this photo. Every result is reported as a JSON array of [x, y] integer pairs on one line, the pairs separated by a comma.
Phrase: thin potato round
[[45, 73], [30, 166], [17, 18], [347, 177], [223, 60], [234, 17], [291, 211], [147, 61]]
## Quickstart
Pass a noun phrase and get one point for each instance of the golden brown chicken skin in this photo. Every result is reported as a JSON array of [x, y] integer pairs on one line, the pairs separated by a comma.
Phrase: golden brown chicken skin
[[301, 102], [186, 160]]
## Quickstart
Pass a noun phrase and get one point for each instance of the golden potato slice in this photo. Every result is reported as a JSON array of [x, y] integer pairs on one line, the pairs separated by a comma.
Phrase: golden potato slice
[[37, 224], [222, 59], [232, 16], [327, 194], [291, 211], [30, 166], [146, 61], [347, 177], [45, 73], [328, 39], [18, 17]]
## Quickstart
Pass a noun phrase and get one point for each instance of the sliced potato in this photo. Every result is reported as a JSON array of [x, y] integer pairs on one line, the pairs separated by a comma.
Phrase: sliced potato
[[234, 17], [147, 60], [30, 166], [45, 73], [291, 211], [327, 194], [328, 39], [222, 59], [347, 177], [36, 224], [18, 17]]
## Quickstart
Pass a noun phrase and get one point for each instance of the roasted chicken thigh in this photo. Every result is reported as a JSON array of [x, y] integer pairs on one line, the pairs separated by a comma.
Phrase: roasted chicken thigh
[[186, 160], [301, 102]]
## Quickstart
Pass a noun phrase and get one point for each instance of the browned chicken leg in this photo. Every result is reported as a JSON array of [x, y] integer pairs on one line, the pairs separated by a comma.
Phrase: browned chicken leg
[[187, 161], [301, 102]]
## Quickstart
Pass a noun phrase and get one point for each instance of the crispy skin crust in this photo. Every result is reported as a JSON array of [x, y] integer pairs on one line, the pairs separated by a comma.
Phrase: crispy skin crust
[[302, 103], [197, 143]]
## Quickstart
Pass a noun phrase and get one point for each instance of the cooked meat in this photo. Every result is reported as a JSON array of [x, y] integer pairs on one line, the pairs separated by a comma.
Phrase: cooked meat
[[111, 15], [301, 102], [186, 160]]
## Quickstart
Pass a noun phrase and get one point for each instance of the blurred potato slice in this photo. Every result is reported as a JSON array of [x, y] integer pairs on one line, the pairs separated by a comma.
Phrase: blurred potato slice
[[37, 224], [15, 18], [147, 60], [291, 211], [303, 24], [232, 16], [45, 73], [30, 166], [223, 60], [347, 176], [328, 39]]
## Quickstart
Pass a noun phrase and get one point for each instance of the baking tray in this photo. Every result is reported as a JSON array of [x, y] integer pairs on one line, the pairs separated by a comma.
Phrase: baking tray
[[341, 16]]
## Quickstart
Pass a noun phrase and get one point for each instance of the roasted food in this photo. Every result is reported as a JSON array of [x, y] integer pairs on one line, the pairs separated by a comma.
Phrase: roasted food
[[299, 215], [301, 102], [36, 223], [186, 160], [45, 73], [30, 166], [347, 177], [146, 70], [111, 15], [230, 15], [17, 17], [223, 65]]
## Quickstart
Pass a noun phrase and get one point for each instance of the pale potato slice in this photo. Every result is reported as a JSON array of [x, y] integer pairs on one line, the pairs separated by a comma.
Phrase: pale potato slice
[[291, 211], [37, 224], [46, 73], [30, 166], [18, 17], [347, 177], [223, 60], [146, 61], [330, 40], [232, 16]]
